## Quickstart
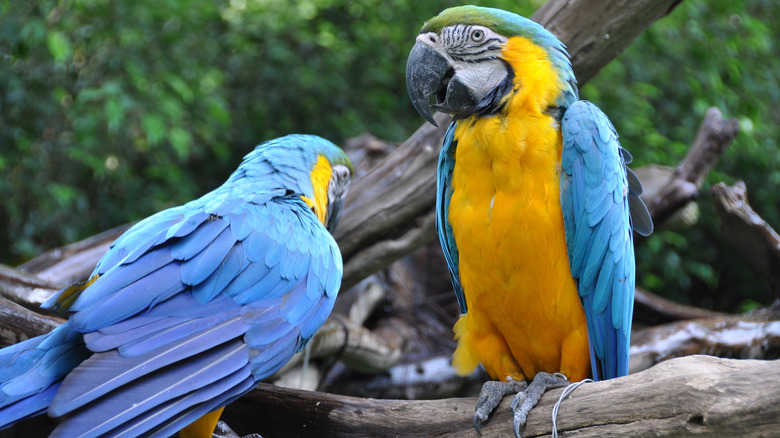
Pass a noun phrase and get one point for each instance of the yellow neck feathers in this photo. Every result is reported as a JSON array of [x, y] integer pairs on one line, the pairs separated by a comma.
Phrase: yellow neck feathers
[[537, 85], [320, 178]]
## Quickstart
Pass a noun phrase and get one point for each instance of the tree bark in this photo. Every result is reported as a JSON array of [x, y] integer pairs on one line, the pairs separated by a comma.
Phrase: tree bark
[[596, 32], [651, 309], [696, 395], [749, 336], [752, 236]]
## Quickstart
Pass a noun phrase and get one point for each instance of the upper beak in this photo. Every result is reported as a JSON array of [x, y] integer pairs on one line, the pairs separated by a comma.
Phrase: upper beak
[[425, 72]]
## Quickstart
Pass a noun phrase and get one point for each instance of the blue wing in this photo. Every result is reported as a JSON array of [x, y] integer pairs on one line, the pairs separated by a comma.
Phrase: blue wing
[[191, 309], [596, 188], [443, 227]]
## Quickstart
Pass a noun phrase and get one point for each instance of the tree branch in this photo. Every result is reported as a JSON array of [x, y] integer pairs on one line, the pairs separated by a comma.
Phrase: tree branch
[[752, 236], [697, 395], [714, 136], [596, 32]]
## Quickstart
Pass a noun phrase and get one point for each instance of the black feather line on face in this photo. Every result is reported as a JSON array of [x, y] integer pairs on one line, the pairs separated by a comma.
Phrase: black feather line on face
[[494, 102]]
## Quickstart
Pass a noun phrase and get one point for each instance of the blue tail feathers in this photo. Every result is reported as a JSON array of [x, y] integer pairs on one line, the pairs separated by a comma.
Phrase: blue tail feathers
[[31, 372]]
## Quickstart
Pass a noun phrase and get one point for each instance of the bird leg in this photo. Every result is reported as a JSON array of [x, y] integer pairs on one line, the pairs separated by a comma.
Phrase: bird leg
[[526, 400], [490, 396]]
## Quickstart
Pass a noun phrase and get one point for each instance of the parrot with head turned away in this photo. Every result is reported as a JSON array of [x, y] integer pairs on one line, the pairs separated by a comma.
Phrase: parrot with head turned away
[[192, 307], [535, 207]]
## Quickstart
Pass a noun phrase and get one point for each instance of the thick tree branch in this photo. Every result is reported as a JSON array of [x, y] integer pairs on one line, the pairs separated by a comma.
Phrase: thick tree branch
[[596, 32], [697, 395], [750, 336]]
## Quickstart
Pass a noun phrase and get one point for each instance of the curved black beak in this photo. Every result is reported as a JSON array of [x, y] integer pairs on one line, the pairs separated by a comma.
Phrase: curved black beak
[[429, 73], [425, 73]]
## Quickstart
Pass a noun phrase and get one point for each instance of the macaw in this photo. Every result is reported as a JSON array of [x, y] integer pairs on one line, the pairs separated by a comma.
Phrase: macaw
[[535, 207], [192, 307]]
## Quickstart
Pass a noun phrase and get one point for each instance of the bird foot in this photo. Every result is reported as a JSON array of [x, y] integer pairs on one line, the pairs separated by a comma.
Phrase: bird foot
[[224, 431], [525, 401], [490, 397]]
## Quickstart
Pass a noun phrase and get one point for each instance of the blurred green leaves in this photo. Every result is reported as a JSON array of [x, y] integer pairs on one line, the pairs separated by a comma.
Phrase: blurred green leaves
[[112, 111]]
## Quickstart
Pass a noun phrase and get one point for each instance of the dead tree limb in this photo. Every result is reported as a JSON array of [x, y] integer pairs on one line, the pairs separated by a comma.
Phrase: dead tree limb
[[696, 395], [755, 335], [651, 309], [31, 283], [750, 336], [597, 32], [714, 136], [18, 323], [752, 236]]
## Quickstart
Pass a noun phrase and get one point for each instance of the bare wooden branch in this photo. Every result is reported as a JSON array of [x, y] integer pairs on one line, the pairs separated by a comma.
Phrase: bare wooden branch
[[751, 336], [18, 323], [714, 136], [598, 31], [697, 395], [651, 309], [751, 235], [33, 282], [389, 211]]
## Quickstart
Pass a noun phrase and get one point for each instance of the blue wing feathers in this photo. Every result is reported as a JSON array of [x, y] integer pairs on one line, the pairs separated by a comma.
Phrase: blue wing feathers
[[199, 239], [239, 225], [199, 403], [235, 262], [595, 184], [185, 227], [122, 276], [146, 291], [443, 228], [200, 267], [139, 239], [105, 372]]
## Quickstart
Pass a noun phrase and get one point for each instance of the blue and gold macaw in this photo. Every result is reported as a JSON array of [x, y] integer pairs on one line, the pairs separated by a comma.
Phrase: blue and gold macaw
[[535, 206], [193, 306]]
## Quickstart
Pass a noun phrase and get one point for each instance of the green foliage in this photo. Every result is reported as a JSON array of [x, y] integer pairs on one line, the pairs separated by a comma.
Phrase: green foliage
[[106, 115], [716, 53], [114, 110], [110, 111]]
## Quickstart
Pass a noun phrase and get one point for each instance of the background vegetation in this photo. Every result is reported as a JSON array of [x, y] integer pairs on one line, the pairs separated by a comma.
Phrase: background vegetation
[[111, 111]]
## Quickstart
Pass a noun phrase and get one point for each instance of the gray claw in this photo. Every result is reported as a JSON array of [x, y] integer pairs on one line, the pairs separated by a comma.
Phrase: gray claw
[[490, 397], [526, 400], [477, 422]]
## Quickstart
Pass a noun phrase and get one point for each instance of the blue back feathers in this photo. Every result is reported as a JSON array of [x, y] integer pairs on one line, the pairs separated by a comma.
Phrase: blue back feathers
[[191, 307]]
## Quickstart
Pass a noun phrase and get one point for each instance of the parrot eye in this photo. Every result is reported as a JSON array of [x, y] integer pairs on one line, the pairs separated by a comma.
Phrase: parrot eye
[[477, 35]]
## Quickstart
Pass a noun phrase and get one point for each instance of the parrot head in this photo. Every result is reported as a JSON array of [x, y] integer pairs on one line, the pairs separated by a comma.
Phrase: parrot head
[[470, 60], [313, 168]]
